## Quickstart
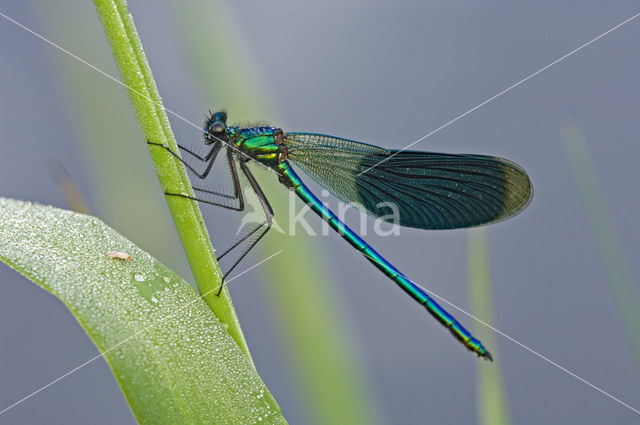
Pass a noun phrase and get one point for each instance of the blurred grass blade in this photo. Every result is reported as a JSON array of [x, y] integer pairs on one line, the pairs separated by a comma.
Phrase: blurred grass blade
[[606, 237], [69, 189], [107, 135], [173, 359], [316, 326], [143, 93], [317, 331], [491, 394]]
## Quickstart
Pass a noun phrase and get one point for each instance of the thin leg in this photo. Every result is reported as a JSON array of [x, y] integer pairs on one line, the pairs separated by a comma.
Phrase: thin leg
[[239, 241], [195, 155], [211, 157], [268, 212], [236, 188]]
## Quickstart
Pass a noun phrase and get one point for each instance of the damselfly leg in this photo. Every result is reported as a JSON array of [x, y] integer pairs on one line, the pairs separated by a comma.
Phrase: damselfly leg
[[238, 196], [209, 159], [268, 222]]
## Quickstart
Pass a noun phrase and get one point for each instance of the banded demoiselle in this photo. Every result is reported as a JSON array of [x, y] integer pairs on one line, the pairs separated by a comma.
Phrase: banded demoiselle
[[429, 190]]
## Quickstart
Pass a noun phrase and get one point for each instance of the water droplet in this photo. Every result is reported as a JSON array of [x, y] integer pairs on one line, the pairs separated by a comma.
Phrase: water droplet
[[154, 300]]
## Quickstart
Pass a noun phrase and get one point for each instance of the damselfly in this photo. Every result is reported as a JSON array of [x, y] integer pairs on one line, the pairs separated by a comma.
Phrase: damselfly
[[428, 190]]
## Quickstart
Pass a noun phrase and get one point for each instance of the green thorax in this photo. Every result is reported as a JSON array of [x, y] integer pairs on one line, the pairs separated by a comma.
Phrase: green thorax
[[264, 144]]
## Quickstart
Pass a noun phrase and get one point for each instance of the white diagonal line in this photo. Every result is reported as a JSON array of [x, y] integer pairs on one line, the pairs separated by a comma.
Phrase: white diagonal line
[[114, 79], [510, 338], [529, 349], [131, 337], [577, 49], [408, 146]]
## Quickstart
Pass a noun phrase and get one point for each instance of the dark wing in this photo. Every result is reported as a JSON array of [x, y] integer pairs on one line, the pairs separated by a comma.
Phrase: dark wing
[[426, 190]]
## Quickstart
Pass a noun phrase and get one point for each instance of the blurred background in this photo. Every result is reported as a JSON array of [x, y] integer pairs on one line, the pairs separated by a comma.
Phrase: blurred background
[[333, 339]]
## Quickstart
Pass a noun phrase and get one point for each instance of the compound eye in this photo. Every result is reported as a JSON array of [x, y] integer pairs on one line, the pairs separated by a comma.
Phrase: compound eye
[[217, 127]]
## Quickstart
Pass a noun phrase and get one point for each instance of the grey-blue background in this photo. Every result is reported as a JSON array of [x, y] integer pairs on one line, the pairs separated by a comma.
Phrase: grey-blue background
[[385, 73]]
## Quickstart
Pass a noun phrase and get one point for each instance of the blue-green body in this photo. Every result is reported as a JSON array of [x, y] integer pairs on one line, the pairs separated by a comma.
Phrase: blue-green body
[[272, 147], [293, 180], [425, 190]]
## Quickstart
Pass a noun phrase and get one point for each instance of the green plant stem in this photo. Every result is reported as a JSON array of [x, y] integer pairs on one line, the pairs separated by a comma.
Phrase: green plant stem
[[319, 345], [143, 93], [491, 394], [606, 235]]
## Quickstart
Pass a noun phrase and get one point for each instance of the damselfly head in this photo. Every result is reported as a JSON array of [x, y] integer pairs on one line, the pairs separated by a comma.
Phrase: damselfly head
[[215, 127]]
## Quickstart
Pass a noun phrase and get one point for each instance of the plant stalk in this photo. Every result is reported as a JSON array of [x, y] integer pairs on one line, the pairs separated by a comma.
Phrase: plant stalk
[[136, 75]]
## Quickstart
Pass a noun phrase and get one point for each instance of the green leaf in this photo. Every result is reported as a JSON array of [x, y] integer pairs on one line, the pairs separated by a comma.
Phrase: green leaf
[[174, 360]]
